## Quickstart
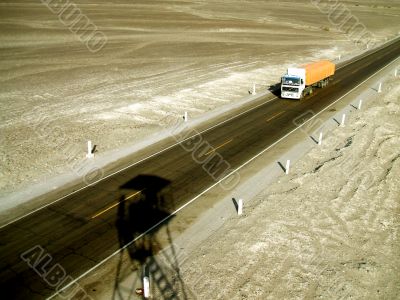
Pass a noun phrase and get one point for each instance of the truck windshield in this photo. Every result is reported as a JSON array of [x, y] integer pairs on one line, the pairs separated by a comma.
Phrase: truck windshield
[[290, 80], [289, 89]]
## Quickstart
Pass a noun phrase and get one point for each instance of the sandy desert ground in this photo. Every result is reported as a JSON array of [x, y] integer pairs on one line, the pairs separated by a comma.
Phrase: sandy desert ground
[[330, 230], [161, 58]]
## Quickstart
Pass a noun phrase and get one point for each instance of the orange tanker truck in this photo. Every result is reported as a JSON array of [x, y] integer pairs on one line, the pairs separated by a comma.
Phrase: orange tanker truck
[[299, 82]]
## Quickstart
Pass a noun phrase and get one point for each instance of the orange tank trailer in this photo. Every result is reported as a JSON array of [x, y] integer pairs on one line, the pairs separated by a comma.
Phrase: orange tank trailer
[[318, 71]]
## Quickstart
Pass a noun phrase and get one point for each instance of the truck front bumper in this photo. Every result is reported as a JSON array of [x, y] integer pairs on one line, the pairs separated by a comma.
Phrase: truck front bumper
[[287, 95]]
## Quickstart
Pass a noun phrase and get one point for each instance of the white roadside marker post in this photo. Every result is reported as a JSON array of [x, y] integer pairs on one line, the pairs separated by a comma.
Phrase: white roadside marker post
[[254, 89], [146, 287], [240, 207], [287, 166], [380, 87], [185, 117], [340, 56], [395, 72], [320, 139], [343, 120], [360, 104], [89, 150]]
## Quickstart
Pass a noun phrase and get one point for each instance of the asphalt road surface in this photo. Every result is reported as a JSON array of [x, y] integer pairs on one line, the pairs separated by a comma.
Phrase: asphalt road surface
[[86, 227]]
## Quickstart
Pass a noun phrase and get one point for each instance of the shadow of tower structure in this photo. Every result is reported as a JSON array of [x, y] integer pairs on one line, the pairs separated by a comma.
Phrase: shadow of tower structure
[[139, 218]]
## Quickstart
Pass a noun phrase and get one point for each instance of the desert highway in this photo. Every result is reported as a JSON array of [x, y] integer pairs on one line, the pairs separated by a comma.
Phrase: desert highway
[[86, 227]]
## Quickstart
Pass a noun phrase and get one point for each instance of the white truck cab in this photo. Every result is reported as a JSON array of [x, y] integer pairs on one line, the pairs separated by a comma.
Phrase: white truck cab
[[293, 83]]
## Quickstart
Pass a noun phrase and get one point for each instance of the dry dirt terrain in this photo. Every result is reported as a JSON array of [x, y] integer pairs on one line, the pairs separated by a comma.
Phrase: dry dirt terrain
[[161, 57], [329, 230]]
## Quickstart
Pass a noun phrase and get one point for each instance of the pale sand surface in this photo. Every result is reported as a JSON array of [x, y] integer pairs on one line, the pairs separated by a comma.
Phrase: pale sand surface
[[162, 58]]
